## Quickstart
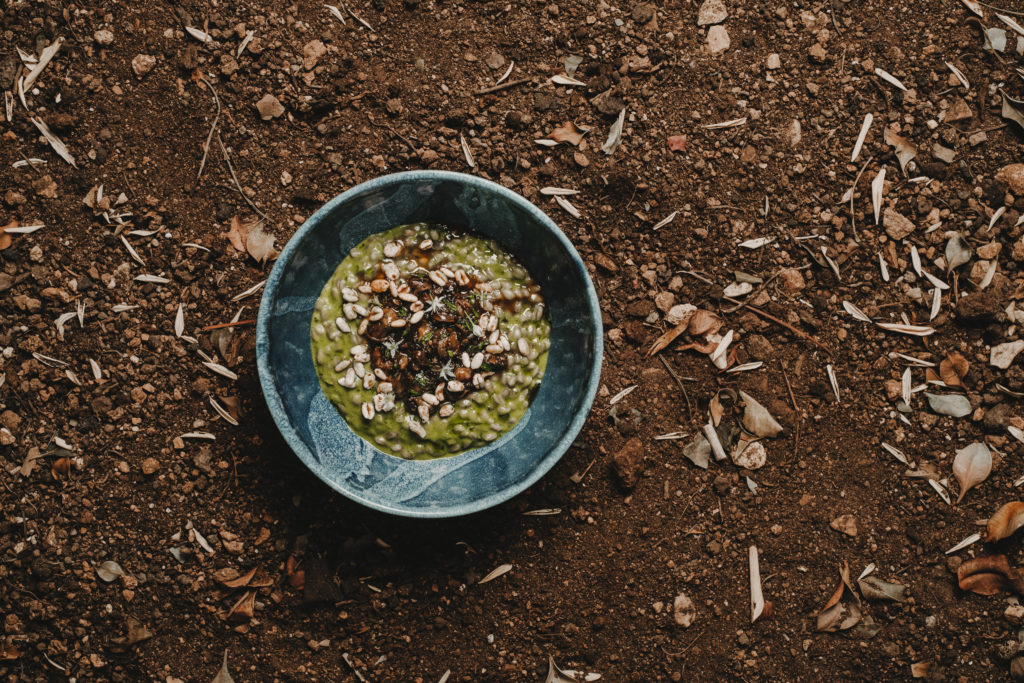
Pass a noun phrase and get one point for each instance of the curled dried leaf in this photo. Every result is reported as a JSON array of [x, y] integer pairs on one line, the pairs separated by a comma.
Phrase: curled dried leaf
[[567, 132], [704, 322], [989, 575], [1006, 520], [953, 369], [904, 148]]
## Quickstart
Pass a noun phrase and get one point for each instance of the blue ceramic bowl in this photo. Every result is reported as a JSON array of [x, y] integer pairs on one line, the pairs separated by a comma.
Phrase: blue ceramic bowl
[[471, 481]]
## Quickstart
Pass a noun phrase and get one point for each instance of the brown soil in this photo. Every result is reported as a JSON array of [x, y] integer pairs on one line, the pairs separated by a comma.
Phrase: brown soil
[[593, 586]]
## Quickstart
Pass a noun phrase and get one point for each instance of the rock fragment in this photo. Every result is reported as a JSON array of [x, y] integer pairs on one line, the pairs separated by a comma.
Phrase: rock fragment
[[683, 610], [269, 107], [718, 40], [143, 64], [712, 12], [1013, 176], [897, 226], [628, 462]]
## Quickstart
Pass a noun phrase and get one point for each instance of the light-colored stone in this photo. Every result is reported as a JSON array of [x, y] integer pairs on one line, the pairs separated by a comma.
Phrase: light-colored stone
[[269, 107], [712, 12], [1002, 355], [143, 64], [989, 251], [795, 133], [792, 280], [959, 110], [679, 313], [103, 36], [773, 62], [943, 154], [664, 301], [1013, 176], [150, 465], [752, 457], [311, 53], [718, 40], [683, 610], [897, 226]]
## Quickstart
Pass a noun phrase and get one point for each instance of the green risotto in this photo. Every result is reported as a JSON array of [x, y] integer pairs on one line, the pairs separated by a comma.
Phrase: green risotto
[[430, 341]]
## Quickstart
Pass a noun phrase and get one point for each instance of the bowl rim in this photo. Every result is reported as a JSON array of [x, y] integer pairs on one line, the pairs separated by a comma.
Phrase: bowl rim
[[273, 397]]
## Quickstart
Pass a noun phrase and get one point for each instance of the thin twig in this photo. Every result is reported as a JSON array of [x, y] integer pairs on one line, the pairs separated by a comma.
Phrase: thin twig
[[767, 316], [671, 371], [392, 131], [30, 164], [209, 138], [788, 386], [503, 86], [238, 185], [853, 191], [832, 13], [1002, 11], [223, 325]]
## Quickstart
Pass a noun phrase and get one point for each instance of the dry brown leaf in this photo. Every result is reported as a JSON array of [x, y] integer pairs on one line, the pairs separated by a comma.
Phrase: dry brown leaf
[[239, 581], [716, 409], [704, 322], [260, 244], [60, 468], [6, 238], [972, 466], [1006, 520], [668, 337], [225, 574], [953, 369], [905, 149], [989, 575], [677, 143], [238, 235], [8, 653], [296, 577], [985, 584], [839, 614], [243, 609], [567, 132]]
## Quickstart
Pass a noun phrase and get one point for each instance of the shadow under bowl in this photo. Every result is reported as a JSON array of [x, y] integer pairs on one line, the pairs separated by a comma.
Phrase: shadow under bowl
[[320, 436]]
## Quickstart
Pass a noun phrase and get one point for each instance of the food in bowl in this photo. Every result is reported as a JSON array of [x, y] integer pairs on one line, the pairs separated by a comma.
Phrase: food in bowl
[[430, 341]]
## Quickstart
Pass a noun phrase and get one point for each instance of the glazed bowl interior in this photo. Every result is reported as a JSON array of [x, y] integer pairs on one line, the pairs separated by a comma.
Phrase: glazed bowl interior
[[319, 435]]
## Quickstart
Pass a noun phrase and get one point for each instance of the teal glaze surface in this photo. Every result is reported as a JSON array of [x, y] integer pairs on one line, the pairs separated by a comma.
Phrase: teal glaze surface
[[320, 437]]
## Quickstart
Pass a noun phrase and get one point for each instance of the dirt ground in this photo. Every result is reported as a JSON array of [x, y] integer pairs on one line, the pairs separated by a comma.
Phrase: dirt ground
[[144, 533]]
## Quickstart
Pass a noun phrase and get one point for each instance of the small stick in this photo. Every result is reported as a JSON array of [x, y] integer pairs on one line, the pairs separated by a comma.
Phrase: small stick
[[209, 138], [800, 333], [30, 164], [503, 86], [853, 191], [223, 325], [392, 131], [238, 185], [671, 371], [788, 386]]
